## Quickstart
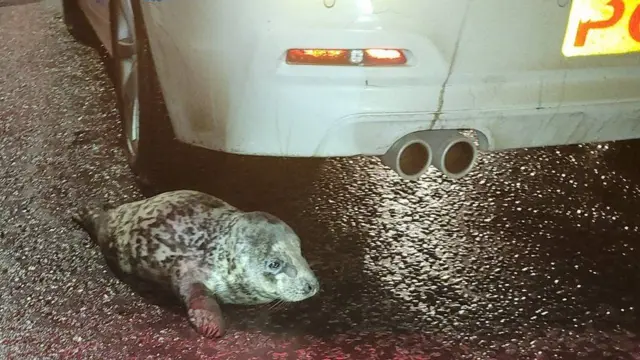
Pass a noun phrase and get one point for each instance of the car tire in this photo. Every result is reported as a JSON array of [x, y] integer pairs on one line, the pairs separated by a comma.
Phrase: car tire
[[77, 24], [154, 154], [145, 126]]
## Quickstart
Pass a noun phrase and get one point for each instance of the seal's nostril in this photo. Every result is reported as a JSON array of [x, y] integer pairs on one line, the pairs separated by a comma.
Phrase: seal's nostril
[[308, 288]]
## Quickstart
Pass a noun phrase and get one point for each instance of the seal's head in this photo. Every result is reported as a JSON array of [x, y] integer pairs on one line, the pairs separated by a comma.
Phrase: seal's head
[[270, 258]]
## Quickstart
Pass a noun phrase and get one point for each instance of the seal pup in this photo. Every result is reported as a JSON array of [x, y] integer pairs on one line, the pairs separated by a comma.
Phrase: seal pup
[[203, 250]]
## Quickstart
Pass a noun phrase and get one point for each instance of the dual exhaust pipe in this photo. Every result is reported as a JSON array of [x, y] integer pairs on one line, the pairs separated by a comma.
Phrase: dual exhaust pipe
[[449, 151]]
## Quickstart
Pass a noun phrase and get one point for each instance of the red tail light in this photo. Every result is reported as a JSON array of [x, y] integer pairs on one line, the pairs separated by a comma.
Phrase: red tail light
[[353, 57]]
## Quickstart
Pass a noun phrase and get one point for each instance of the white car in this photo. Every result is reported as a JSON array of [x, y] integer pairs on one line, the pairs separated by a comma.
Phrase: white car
[[396, 79]]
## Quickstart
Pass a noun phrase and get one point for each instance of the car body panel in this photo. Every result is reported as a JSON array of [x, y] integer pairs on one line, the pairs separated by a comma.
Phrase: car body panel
[[97, 12], [495, 66]]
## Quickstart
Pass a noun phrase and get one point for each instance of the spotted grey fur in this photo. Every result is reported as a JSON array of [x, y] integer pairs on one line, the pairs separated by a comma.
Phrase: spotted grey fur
[[205, 251]]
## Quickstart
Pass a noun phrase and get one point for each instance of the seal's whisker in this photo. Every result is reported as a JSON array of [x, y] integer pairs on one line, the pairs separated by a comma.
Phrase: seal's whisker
[[274, 305], [284, 306], [270, 305], [281, 306]]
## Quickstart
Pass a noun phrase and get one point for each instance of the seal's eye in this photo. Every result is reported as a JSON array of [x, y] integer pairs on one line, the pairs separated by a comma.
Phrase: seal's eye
[[274, 265]]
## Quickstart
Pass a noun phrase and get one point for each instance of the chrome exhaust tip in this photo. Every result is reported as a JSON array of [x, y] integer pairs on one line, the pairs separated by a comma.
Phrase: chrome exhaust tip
[[410, 157], [453, 153]]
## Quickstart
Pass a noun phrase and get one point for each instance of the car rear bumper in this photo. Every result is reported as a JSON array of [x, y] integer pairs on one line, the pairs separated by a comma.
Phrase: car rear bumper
[[287, 116], [374, 133]]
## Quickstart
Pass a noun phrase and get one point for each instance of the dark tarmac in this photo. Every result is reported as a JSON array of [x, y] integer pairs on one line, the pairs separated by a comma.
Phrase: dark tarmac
[[534, 255]]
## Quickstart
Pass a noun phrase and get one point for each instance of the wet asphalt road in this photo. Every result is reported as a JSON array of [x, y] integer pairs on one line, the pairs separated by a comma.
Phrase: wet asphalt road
[[532, 256]]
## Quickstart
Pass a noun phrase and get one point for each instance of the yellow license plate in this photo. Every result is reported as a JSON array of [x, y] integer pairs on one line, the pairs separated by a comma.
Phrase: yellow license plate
[[602, 27]]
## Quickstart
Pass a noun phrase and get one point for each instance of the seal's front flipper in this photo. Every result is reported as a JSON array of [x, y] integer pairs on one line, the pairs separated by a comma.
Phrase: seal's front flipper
[[204, 312], [90, 219]]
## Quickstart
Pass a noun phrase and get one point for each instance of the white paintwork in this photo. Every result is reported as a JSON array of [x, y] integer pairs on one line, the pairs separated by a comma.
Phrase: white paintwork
[[491, 65], [97, 12]]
